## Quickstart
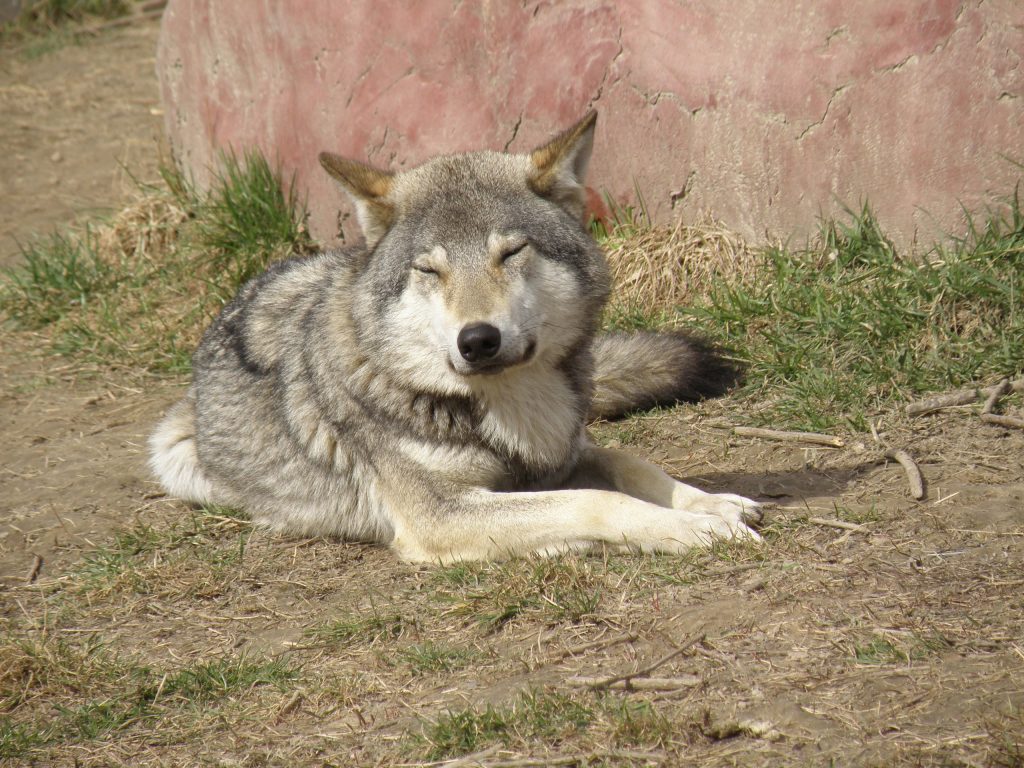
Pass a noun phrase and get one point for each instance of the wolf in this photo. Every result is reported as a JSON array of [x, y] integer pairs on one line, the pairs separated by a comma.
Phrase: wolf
[[429, 389]]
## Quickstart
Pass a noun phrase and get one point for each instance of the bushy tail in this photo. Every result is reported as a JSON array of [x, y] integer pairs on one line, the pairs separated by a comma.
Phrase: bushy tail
[[633, 371], [172, 453]]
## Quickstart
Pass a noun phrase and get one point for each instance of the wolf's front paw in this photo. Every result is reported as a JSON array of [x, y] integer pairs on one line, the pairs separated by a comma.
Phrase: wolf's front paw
[[738, 510], [725, 526]]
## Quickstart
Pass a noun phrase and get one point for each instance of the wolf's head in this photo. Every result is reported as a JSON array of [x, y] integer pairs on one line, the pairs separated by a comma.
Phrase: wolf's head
[[477, 265]]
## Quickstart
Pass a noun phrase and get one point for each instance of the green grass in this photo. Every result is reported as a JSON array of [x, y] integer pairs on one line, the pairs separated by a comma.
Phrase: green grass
[[123, 564], [59, 275], [137, 291], [363, 629], [430, 658], [884, 650], [556, 589], [842, 330], [74, 694], [531, 717], [546, 717]]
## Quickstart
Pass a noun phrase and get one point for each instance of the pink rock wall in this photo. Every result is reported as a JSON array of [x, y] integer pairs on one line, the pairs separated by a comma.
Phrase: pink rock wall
[[767, 114]]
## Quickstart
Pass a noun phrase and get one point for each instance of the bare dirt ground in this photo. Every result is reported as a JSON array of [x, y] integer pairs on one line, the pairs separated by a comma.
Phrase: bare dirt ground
[[78, 122], [896, 639]]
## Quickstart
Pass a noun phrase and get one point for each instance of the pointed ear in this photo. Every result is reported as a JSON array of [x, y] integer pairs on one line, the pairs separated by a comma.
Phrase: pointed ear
[[369, 189], [560, 166]]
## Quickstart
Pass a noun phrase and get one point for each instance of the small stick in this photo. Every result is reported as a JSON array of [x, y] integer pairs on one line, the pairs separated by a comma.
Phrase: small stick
[[289, 706], [610, 681], [997, 391], [33, 572], [836, 524], [582, 759], [960, 397], [1003, 421], [793, 437], [914, 476], [641, 684]]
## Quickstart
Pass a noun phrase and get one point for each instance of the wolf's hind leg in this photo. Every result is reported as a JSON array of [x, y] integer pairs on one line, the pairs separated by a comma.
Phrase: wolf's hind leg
[[172, 453], [641, 479]]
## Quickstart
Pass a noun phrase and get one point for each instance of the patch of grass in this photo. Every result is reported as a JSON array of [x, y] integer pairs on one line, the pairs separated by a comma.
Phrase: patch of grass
[[138, 291], [556, 589], [248, 220], [1007, 737], [834, 332], [431, 658], [59, 275], [637, 723], [879, 649], [72, 694], [207, 546], [49, 13], [365, 629], [209, 680], [533, 716], [837, 331], [547, 717]]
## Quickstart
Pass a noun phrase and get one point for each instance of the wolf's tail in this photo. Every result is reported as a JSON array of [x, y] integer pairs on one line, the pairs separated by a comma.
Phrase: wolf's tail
[[633, 371], [172, 453]]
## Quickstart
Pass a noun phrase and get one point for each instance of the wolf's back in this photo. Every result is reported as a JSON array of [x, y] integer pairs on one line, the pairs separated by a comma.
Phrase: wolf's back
[[638, 370]]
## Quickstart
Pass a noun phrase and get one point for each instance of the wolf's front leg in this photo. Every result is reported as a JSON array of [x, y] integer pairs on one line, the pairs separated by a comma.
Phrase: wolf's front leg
[[603, 467], [484, 525]]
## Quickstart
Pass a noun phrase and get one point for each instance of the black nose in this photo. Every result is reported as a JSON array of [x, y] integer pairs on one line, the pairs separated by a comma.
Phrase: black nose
[[479, 341]]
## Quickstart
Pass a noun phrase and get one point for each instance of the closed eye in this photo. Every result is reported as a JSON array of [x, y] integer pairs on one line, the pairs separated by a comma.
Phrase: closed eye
[[424, 269], [513, 251]]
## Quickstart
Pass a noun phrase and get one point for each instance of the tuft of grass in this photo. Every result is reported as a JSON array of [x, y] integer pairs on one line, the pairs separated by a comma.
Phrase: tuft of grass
[[534, 715], [547, 717], [139, 290], [367, 629], [42, 14], [249, 219], [556, 589], [431, 658], [227, 676], [883, 650], [58, 276]]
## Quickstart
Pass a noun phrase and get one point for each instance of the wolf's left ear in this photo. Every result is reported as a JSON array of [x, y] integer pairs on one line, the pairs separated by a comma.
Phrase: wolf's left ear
[[560, 166], [369, 189]]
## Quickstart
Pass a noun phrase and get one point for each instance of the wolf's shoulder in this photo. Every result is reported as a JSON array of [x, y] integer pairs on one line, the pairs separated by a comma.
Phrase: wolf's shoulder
[[267, 313]]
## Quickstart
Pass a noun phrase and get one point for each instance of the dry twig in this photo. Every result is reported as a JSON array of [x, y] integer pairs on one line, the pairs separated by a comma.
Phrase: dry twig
[[814, 438], [914, 476], [33, 572], [640, 684], [582, 759], [608, 682], [836, 524], [960, 397]]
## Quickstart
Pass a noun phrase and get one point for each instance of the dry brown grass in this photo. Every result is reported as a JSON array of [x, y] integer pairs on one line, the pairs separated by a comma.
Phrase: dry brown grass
[[656, 269]]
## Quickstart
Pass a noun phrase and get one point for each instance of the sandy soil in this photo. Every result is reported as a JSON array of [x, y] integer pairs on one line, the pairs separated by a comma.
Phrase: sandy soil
[[79, 122]]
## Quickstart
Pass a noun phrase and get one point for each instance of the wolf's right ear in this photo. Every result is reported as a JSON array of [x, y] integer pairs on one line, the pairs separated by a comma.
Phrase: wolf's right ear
[[369, 189], [560, 166]]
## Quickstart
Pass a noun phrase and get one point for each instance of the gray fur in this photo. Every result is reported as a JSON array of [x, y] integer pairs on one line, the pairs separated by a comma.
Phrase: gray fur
[[331, 396]]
